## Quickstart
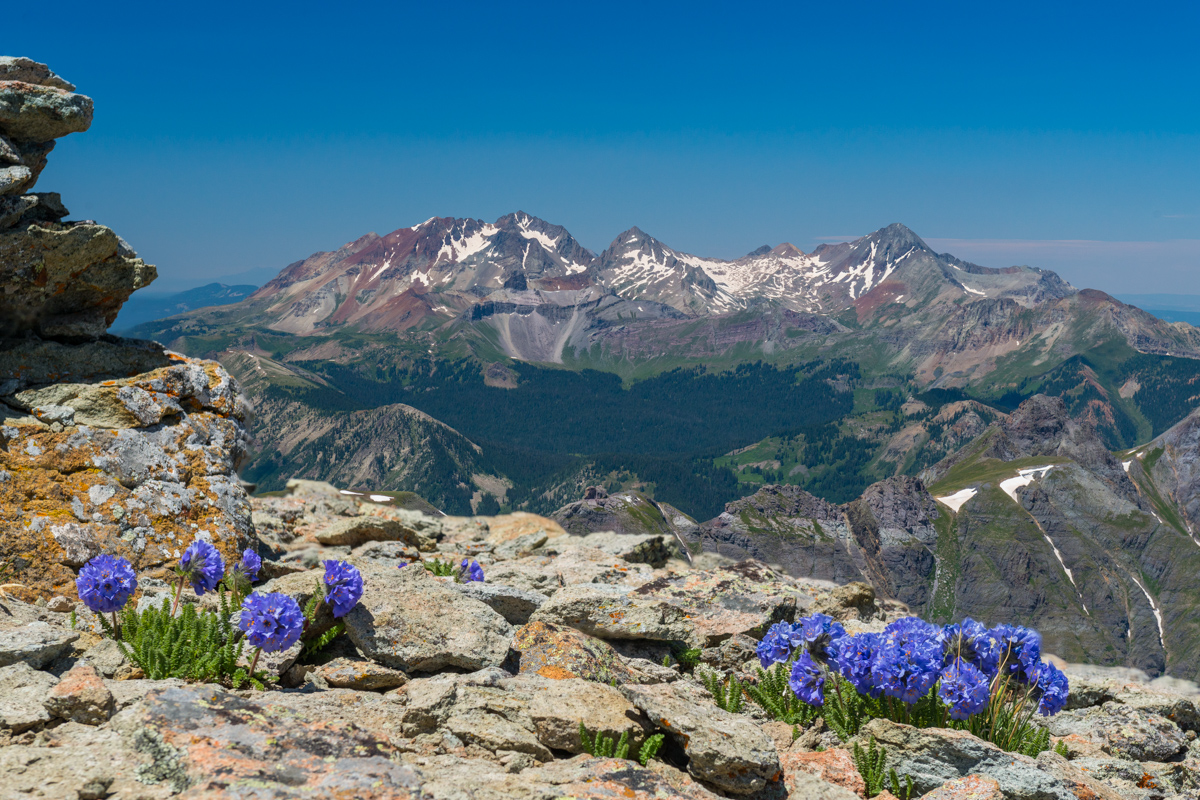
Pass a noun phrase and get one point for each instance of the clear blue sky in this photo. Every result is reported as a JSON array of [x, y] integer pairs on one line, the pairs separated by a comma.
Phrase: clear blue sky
[[229, 137]]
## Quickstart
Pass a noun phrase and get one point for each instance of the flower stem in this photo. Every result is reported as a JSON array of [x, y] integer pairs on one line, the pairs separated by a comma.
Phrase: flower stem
[[254, 661], [116, 626], [178, 594]]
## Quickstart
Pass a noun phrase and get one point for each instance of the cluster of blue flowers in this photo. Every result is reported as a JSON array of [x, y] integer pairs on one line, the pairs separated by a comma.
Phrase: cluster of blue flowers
[[470, 572], [967, 662], [270, 621]]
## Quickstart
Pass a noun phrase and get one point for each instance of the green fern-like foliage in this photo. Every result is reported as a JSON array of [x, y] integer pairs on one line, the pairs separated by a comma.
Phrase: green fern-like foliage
[[603, 746], [775, 697], [871, 766], [903, 791], [688, 659], [441, 568], [194, 646], [650, 748], [1060, 747], [729, 695], [314, 647]]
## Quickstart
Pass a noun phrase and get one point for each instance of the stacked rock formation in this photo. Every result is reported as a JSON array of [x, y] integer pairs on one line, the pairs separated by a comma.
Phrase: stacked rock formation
[[440, 690], [106, 445]]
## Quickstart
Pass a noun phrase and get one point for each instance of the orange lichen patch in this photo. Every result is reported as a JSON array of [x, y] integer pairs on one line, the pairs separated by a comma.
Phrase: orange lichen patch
[[511, 526], [832, 766], [560, 652], [70, 495]]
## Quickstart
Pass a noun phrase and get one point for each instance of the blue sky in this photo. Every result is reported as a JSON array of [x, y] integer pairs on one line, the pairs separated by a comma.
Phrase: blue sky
[[1058, 135]]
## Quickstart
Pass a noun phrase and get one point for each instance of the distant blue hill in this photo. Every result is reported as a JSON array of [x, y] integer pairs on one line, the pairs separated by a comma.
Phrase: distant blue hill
[[145, 307]]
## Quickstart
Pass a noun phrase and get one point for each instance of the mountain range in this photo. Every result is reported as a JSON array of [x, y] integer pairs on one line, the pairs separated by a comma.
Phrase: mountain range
[[993, 442]]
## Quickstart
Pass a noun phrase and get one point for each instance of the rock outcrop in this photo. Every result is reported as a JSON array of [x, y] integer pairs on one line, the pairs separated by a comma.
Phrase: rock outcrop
[[106, 445], [430, 695]]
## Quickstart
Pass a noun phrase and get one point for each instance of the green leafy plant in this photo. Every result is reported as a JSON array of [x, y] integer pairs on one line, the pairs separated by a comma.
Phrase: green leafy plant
[[872, 766], [688, 658], [71, 620], [1060, 747], [193, 646], [603, 746], [441, 568], [775, 697], [729, 694]]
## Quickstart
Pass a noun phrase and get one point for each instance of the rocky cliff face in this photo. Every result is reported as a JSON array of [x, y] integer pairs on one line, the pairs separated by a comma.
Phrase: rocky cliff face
[[106, 445]]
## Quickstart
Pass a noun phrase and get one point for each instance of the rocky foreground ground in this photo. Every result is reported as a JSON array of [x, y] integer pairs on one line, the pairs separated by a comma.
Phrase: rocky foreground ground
[[440, 689]]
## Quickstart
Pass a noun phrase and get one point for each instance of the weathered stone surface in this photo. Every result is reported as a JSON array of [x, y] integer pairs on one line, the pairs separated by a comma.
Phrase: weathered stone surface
[[39, 113], [385, 554], [344, 673], [1180, 710], [217, 744], [972, 787], [411, 621], [23, 691], [82, 697], [834, 766], [933, 756], [558, 706], [35, 644], [66, 279], [358, 530], [26, 70], [614, 612], [1082, 784], [141, 493], [577, 565], [559, 651], [635, 548], [801, 784], [15, 180], [515, 605], [724, 602], [726, 750], [1123, 730]]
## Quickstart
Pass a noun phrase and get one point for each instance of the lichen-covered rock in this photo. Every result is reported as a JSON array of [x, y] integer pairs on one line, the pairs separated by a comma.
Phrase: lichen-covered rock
[[23, 693], [558, 651], [1123, 730], [834, 765], [727, 750], [933, 756], [82, 697], [412, 621], [66, 279], [35, 644], [614, 612], [40, 113], [515, 605], [142, 487]]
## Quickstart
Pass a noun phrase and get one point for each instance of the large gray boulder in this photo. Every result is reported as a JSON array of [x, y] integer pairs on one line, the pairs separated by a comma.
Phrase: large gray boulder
[[35, 644], [412, 621], [1123, 730], [614, 612], [727, 750], [933, 756]]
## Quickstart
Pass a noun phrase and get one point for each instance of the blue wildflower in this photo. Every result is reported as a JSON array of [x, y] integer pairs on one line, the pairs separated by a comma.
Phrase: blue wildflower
[[271, 621], [202, 566], [249, 565], [807, 680], [776, 646], [344, 586], [908, 659], [964, 689], [1020, 651], [973, 642], [1050, 687], [852, 655], [106, 583], [819, 631], [469, 572]]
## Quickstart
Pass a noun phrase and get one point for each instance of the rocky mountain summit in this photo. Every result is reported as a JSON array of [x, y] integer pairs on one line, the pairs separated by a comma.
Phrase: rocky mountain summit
[[106, 445], [477, 690]]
